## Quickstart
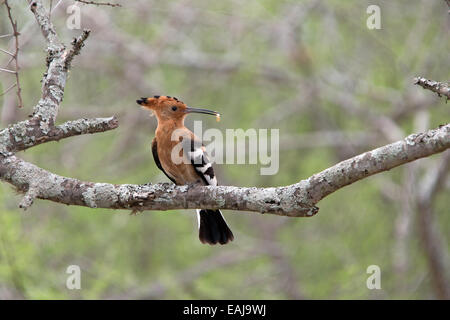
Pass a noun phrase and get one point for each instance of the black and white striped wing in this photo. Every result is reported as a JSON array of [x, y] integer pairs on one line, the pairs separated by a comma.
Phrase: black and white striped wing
[[196, 153]]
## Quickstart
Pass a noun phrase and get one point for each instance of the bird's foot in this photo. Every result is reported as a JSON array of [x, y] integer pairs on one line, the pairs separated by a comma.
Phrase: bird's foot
[[135, 212]]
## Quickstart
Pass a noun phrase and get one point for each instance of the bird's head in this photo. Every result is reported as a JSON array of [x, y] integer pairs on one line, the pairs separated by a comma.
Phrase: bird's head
[[170, 108]]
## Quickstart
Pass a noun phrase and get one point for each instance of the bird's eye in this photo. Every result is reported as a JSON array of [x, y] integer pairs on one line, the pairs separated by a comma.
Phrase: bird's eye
[[174, 108]]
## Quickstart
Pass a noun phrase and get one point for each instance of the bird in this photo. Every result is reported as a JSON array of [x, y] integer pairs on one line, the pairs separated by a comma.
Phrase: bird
[[195, 167]]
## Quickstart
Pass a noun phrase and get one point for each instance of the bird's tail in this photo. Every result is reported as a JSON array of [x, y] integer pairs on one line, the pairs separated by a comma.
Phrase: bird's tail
[[212, 227]]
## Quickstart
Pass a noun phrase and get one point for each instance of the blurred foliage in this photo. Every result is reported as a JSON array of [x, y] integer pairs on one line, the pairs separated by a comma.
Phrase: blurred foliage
[[291, 65]]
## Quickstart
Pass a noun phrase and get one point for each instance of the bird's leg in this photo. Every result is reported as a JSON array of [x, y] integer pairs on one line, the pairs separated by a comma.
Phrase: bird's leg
[[135, 211]]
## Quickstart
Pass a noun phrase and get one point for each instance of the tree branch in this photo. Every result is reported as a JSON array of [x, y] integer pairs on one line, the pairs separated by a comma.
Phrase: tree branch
[[77, 44], [27, 134], [44, 23], [58, 63], [442, 89], [297, 200]]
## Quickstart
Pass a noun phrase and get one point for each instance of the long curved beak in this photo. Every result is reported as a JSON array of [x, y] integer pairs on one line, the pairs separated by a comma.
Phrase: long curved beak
[[205, 111]]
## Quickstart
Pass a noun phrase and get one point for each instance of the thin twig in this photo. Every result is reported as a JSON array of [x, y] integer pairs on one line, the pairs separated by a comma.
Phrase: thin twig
[[7, 70], [50, 10], [7, 90], [100, 3], [9, 61], [7, 52], [15, 56], [56, 6]]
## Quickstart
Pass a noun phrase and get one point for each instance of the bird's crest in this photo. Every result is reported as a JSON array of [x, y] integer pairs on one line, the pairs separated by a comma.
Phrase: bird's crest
[[151, 103], [155, 100]]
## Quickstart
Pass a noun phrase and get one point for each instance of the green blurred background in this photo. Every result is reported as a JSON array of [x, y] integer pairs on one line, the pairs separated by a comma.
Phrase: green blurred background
[[310, 68]]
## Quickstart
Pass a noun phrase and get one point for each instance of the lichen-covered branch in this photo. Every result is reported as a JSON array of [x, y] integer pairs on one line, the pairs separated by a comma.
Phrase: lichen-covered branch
[[41, 127], [296, 200], [413, 147], [44, 23], [54, 80], [77, 44], [441, 88], [58, 64], [26, 134]]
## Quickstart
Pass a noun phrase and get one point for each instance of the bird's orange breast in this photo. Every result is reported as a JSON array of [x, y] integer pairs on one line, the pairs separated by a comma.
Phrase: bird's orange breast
[[184, 172]]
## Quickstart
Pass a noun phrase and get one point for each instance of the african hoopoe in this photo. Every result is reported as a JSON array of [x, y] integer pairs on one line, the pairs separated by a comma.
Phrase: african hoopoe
[[195, 167]]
